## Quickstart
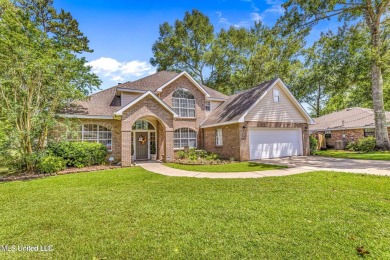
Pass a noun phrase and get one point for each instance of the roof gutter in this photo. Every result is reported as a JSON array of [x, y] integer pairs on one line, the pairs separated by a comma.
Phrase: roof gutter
[[85, 116]]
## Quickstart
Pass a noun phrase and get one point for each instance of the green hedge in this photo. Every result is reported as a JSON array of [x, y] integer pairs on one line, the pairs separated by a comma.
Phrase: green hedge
[[79, 154]]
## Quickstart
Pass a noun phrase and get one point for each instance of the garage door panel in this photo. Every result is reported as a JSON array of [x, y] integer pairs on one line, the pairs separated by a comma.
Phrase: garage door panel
[[273, 143]]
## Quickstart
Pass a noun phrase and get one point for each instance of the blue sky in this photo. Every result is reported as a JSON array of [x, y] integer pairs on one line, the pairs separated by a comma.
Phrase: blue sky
[[122, 33]]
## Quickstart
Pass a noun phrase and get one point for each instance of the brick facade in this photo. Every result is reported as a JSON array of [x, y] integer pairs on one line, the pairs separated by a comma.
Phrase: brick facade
[[115, 127], [346, 135], [235, 136], [230, 141], [200, 113], [149, 107]]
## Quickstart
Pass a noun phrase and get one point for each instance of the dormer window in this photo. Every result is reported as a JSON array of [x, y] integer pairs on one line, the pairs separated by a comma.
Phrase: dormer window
[[276, 95], [183, 103]]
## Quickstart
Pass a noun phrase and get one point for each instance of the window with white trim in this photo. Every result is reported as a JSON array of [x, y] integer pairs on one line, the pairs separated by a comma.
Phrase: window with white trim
[[183, 103], [218, 137], [184, 137], [276, 95], [208, 106], [92, 133]]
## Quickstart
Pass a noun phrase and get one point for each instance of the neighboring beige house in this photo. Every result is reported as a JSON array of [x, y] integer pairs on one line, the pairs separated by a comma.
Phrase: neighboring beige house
[[155, 116], [347, 125]]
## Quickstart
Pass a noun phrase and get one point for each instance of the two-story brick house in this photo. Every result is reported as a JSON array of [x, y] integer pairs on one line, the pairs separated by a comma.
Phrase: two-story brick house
[[168, 111]]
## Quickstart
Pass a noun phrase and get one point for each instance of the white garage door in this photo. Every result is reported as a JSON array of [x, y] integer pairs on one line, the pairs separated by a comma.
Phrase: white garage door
[[274, 142]]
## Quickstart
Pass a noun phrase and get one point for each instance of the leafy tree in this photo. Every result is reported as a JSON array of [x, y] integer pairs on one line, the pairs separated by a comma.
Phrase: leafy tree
[[304, 14], [232, 60], [186, 46], [337, 72], [248, 57], [40, 73]]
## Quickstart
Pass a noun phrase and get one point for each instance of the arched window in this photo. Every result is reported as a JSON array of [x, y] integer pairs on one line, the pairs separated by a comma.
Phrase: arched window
[[183, 137], [183, 103], [92, 133], [142, 125]]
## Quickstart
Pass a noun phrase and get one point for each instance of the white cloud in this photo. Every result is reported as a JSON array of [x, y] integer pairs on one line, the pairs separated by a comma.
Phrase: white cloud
[[104, 66], [117, 78], [136, 68], [117, 71], [276, 7], [256, 17]]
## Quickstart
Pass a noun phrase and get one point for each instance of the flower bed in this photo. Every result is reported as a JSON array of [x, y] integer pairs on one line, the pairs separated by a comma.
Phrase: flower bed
[[199, 157], [23, 177]]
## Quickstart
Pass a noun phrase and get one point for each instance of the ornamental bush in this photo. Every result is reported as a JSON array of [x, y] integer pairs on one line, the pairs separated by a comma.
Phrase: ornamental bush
[[313, 143], [51, 164], [366, 144], [193, 155], [79, 154]]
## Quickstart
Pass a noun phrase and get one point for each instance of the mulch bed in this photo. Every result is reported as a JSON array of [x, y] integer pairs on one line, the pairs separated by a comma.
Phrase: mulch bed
[[66, 171]]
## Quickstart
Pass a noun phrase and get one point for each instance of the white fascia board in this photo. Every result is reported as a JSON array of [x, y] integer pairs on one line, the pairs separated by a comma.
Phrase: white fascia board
[[85, 116], [120, 111], [221, 124], [159, 90]]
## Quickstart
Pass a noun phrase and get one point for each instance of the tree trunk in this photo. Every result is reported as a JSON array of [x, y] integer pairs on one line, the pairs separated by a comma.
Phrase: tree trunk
[[318, 100], [381, 133]]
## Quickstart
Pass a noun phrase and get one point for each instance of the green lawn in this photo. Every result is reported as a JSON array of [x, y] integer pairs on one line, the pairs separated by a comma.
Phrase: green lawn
[[231, 167], [134, 214], [355, 155]]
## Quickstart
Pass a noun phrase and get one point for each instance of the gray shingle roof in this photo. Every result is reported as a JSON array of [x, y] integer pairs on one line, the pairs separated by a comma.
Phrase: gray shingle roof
[[355, 117], [105, 103], [153, 82], [102, 103], [235, 106]]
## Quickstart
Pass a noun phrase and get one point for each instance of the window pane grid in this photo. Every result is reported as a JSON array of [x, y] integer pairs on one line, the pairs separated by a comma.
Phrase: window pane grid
[[183, 137], [183, 103], [92, 133]]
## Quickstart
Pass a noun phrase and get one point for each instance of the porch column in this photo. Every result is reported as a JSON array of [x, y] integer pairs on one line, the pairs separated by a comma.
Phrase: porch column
[[126, 148], [169, 154]]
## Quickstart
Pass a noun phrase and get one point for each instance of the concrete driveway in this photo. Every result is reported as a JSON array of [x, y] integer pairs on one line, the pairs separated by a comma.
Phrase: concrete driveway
[[333, 164]]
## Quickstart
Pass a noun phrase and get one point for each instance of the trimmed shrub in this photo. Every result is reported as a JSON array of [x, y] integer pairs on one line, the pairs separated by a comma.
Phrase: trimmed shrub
[[80, 154], [51, 164], [196, 155], [313, 143], [352, 146], [366, 144]]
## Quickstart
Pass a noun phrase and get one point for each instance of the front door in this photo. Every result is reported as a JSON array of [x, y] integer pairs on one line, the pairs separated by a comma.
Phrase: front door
[[141, 145]]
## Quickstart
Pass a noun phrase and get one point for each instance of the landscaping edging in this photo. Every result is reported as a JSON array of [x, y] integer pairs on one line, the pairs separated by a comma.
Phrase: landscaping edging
[[63, 172]]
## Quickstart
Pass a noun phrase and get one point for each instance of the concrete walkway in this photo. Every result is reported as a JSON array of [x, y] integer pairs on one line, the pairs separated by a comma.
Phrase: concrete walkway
[[296, 165]]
